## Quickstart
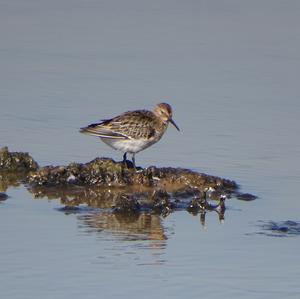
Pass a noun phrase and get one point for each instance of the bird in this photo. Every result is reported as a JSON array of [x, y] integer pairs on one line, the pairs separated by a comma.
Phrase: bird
[[133, 131]]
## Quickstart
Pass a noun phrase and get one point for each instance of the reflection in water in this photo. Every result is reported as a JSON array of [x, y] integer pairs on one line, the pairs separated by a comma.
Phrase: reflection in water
[[202, 205], [10, 179], [117, 212], [133, 227], [133, 213], [133, 235], [96, 197], [220, 214], [96, 213]]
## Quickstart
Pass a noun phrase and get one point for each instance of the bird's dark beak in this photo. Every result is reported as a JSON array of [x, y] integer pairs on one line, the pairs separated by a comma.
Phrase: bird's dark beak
[[173, 123]]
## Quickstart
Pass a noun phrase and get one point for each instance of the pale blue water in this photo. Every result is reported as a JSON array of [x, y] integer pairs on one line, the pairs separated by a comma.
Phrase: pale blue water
[[231, 72]]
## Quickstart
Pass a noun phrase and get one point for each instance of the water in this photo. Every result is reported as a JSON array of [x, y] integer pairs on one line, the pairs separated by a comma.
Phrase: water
[[229, 69]]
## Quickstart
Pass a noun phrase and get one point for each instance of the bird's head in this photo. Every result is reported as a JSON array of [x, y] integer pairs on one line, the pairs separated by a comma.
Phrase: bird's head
[[164, 112]]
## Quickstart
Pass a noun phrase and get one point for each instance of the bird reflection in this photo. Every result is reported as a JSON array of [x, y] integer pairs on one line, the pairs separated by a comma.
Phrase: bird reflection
[[134, 227], [94, 207]]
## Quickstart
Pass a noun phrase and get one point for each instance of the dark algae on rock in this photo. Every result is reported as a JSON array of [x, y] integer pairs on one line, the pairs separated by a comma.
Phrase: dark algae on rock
[[107, 172], [3, 196], [14, 167], [16, 161], [106, 184]]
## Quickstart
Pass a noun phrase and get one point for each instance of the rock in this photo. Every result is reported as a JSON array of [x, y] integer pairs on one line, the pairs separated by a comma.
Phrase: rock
[[16, 161], [3, 196], [107, 172], [100, 171], [106, 184], [246, 196]]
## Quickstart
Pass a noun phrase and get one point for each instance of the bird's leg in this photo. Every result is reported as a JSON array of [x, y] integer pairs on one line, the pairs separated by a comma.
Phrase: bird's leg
[[133, 160], [124, 158]]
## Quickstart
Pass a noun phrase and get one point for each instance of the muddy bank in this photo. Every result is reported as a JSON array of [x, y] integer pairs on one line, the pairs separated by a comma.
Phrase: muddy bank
[[106, 184]]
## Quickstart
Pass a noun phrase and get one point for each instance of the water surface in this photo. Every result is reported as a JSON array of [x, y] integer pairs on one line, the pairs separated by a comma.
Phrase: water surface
[[230, 71]]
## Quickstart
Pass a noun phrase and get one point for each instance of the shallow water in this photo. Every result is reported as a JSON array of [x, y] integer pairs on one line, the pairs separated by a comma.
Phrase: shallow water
[[230, 71]]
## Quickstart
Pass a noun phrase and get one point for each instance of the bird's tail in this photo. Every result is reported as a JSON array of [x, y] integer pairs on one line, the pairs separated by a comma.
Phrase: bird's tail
[[92, 129]]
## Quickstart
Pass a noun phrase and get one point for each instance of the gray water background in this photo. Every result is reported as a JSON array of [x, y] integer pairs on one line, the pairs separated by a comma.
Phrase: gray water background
[[230, 70]]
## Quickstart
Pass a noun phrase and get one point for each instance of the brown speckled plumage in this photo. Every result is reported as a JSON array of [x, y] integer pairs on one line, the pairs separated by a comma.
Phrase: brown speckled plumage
[[133, 131], [132, 124]]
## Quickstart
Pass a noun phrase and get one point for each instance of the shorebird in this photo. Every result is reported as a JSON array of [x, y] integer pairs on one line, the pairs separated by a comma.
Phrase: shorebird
[[133, 131]]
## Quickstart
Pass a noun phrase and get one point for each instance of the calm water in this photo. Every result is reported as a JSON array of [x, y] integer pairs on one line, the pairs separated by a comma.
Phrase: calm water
[[231, 72]]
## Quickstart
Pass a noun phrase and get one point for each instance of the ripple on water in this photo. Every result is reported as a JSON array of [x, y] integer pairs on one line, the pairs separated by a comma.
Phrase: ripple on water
[[279, 229]]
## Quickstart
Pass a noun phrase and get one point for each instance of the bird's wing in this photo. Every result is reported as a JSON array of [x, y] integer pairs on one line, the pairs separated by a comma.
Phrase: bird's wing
[[102, 130], [132, 124]]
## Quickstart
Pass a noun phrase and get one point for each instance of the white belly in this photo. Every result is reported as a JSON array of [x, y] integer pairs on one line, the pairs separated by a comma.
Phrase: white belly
[[128, 145]]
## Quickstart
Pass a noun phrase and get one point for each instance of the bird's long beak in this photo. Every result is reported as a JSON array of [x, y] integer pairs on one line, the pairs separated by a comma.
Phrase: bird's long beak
[[173, 123]]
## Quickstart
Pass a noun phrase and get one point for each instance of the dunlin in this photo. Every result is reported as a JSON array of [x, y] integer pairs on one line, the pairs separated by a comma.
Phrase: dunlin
[[133, 131]]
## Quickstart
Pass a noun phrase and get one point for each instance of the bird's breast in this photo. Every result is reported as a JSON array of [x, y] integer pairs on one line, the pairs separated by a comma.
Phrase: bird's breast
[[129, 145]]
